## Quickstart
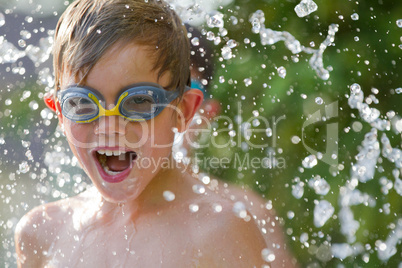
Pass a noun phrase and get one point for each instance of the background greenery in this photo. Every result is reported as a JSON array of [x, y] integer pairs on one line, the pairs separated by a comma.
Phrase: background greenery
[[379, 43]]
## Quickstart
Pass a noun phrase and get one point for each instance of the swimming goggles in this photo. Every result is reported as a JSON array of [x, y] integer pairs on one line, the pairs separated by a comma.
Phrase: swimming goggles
[[137, 102]]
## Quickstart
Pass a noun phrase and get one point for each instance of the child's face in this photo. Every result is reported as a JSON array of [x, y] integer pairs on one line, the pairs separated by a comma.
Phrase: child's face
[[121, 66]]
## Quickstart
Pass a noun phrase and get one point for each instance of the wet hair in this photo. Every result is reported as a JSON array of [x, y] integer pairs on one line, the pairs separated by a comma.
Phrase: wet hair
[[88, 28], [201, 56]]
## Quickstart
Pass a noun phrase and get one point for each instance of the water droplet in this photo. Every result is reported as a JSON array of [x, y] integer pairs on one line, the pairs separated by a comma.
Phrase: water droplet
[[268, 131], [248, 82], [322, 212], [195, 41], [290, 214], [8, 102], [354, 16], [217, 40], [398, 90], [217, 208], [215, 20], [355, 88], [234, 20], [305, 7], [223, 32], [295, 139], [298, 190], [303, 238], [193, 208], [268, 255], [227, 53], [231, 43], [398, 126], [319, 100], [210, 36], [221, 79], [239, 209], [257, 20], [24, 167], [33, 105], [357, 126], [22, 43], [281, 72], [198, 189], [310, 161], [319, 185], [169, 196], [2, 19], [28, 19], [25, 34], [399, 23]]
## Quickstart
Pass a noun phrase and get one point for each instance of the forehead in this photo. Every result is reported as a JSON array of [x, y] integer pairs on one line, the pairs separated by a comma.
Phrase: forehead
[[121, 65]]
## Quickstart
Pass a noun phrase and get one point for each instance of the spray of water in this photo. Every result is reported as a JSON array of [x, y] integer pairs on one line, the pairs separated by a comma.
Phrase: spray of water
[[59, 169]]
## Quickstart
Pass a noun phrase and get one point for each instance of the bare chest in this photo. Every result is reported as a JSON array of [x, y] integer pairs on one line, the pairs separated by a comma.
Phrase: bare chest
[[149, 243]]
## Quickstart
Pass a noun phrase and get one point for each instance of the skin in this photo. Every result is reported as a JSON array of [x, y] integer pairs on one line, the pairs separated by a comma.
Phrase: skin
[[130, 224]]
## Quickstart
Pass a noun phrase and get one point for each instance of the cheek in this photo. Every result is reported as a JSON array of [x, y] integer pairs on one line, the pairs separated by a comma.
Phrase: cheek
[[151, 135], [79, 135], [162, 133]]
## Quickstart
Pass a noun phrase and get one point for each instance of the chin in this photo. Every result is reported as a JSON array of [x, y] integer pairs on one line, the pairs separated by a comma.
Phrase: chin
[[117, 193]]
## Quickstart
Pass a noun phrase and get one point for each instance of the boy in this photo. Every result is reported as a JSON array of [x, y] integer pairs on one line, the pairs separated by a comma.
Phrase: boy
[[122, 70]]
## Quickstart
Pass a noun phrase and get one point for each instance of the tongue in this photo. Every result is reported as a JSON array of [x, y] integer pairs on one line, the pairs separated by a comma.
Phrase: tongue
[[118, 163]]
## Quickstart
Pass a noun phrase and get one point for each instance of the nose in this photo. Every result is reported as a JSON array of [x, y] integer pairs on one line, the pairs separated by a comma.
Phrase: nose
[[111, 126]]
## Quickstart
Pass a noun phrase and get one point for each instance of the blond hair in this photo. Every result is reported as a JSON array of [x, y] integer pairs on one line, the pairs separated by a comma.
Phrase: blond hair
[[88, 28]]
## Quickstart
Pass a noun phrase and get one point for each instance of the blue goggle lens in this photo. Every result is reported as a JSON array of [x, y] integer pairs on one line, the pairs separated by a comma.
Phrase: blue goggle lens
[[79, 108]]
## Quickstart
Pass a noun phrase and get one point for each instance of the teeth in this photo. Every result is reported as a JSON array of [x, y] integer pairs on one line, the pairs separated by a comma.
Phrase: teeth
[[110, 152]]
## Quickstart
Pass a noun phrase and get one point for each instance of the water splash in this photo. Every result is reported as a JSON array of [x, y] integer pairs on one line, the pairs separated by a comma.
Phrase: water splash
[[323, 210], [320, 185], [305, 7], [388, 248], [270, 37], [367, 158], [364, 170], [37, 54], [310, 161]]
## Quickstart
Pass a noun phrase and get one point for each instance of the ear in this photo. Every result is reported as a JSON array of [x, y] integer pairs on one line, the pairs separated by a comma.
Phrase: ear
[[53, 105], [188, 106]]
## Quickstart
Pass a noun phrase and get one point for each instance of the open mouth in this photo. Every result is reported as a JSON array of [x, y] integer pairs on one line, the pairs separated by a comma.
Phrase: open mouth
[[115, 165]]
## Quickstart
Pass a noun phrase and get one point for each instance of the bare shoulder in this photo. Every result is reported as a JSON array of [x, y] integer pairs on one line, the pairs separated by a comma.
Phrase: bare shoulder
[[265, 218], [223, 231], [37, 229], [230, 236]]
